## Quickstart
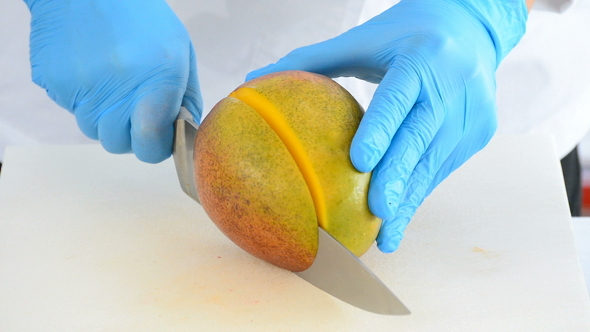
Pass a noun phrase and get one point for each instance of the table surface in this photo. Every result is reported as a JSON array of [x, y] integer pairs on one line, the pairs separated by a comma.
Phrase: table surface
[[96, 242], [581, 227]]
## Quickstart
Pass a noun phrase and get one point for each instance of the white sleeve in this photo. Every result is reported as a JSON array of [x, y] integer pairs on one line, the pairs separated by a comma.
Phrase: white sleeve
[[558, 6]]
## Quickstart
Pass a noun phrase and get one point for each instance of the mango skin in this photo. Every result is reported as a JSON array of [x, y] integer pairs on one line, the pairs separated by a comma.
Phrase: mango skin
[[251, 187]]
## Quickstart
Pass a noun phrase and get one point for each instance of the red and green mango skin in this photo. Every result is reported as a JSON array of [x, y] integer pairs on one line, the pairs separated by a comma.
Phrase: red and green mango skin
[[251, 187]]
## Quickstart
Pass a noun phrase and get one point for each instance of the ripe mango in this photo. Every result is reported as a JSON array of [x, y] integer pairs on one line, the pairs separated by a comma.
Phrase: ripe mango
[[272, 164]]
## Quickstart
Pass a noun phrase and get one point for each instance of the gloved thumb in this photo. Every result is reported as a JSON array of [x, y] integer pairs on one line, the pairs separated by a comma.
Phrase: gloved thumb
[[330, 58], [152, 122], [192, 99]]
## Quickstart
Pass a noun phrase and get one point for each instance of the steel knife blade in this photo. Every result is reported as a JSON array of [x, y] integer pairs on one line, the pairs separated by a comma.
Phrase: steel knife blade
[[335, 269], [338, 272], [185, 130]]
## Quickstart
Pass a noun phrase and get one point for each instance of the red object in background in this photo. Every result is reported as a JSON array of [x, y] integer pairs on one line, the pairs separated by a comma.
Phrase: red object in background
[[585, 190], [586, 196]]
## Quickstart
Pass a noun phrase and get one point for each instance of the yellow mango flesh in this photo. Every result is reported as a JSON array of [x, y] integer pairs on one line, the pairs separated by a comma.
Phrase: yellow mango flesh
[[272, 163]]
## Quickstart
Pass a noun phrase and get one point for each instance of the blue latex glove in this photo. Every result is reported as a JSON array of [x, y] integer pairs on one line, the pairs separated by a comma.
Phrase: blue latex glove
[[435, 63], [123, 67]]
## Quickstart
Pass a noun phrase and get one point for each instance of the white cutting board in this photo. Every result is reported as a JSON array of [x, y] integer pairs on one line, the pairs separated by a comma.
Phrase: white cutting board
[[96, 242]]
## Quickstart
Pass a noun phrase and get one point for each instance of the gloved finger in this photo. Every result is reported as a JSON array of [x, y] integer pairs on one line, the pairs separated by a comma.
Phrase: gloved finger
[[419, 183], [87, 119], [152, 123], [476, 137], [450, 148], [462, 152], [113, 129], [390, 105], [417, 189], [192, 99], [391, 234], [333, 58], [391, 175]]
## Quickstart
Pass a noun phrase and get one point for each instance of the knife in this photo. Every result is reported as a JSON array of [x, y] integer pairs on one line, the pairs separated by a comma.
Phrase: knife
[[335, 270]]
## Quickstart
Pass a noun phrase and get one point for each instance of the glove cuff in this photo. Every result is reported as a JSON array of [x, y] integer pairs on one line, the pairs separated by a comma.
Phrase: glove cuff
[[505, 21]]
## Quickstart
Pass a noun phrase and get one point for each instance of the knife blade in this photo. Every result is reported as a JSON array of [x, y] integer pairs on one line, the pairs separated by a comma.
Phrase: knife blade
[[338, 272], [185, 130], [335, 269]]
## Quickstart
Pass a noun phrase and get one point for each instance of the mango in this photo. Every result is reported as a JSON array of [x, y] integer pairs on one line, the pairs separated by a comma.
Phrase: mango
[[272, 164]]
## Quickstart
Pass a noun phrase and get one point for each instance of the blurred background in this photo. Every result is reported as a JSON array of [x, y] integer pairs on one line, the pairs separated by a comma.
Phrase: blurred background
[[18, 95]]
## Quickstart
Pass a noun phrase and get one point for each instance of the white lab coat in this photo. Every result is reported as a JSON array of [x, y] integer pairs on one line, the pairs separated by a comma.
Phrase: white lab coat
[[543, 84]]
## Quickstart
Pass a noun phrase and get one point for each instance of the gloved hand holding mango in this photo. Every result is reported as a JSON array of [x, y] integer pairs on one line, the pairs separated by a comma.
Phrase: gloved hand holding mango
[[434, 108]]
